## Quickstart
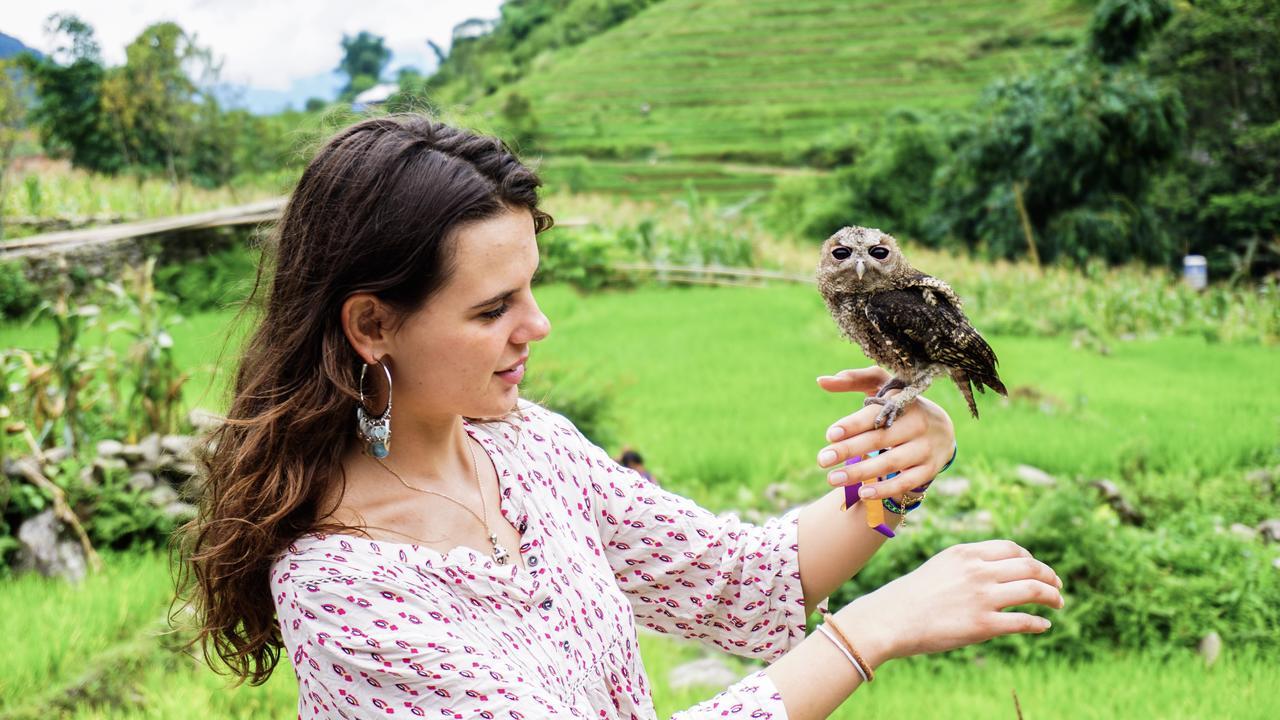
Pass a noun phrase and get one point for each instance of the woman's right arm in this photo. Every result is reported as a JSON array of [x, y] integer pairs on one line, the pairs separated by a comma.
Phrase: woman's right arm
[[952, 600]]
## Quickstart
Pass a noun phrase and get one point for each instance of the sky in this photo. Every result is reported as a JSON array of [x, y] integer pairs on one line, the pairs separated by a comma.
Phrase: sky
[[273, 51]]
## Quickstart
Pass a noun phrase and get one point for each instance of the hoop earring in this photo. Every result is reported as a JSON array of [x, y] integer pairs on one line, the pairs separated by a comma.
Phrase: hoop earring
[[374, 432]]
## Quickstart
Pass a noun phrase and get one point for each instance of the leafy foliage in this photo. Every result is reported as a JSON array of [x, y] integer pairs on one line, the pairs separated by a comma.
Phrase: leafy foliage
[[1121, 28], [70, 114], [156, 115], [883, 178], [1222, 198], [364, 57], [1161, 587], [1080, 143]]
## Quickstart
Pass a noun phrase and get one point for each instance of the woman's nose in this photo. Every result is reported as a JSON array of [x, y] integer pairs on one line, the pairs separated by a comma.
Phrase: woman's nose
[[536, 327]]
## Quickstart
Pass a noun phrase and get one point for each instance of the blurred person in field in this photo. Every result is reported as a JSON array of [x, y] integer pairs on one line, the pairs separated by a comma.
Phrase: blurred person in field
[[629, 458]]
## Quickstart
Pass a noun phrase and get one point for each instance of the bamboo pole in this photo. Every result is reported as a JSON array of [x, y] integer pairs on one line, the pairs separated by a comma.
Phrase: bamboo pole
[[1026, 224]]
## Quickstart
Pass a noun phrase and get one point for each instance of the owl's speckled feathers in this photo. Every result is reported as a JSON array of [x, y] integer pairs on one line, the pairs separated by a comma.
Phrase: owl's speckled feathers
[[909, 323]]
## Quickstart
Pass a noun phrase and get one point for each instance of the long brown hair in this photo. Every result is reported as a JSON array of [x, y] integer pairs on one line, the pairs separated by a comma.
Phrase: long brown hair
[[372, 213]]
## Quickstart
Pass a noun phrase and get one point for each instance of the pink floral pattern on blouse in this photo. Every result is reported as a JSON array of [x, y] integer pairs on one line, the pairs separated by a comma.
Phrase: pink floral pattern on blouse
[[377, 629]]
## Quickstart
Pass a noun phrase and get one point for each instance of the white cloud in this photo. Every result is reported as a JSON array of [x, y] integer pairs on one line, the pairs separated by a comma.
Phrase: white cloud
[[262, 43]]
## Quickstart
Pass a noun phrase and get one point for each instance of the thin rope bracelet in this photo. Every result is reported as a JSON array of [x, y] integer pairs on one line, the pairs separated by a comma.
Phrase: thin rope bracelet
[[843, 650], [829, 620]]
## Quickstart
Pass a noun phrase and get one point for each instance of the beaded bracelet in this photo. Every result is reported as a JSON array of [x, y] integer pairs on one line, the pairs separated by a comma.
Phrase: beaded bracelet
[[955, 449]]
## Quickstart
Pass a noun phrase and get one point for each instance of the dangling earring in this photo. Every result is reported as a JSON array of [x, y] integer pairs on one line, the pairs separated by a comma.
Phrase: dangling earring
[[374, 432]]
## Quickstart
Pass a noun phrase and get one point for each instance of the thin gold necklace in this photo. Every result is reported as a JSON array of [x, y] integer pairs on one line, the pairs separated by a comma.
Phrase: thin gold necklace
[[500, 554]]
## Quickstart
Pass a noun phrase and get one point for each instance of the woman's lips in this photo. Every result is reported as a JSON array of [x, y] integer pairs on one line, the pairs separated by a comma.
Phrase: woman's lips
[[514, 375]]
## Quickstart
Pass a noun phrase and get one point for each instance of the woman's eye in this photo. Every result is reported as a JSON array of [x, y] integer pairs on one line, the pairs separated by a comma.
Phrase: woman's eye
[[496, 312], [841, 253], [879, 252]]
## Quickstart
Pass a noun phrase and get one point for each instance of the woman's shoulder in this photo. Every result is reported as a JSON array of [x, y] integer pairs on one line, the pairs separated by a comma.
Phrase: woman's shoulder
[[531, 424]]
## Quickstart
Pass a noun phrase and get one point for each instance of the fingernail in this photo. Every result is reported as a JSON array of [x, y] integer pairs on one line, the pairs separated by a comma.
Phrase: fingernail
[[826, 457], [838, 478], [867, 492], [835, 432], [1045, 624]]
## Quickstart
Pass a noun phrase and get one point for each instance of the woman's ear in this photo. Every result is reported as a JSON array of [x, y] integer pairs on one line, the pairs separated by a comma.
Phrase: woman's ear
[[365, 320]]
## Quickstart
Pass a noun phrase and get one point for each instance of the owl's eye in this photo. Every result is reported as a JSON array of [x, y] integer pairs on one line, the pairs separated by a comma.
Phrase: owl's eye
[[879, 252], [841, 253]]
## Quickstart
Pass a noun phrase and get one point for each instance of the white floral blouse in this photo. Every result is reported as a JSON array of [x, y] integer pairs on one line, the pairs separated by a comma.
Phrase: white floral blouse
[[378, 629]]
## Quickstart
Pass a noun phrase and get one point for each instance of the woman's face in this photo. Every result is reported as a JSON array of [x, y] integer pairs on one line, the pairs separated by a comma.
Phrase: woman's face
[[449, 358]]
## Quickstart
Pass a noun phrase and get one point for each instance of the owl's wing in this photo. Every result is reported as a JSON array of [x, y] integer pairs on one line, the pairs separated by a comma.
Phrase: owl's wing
[[930, 330]]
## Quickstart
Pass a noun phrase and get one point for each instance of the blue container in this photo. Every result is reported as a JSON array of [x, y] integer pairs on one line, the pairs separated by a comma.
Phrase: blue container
[[1195, 271]]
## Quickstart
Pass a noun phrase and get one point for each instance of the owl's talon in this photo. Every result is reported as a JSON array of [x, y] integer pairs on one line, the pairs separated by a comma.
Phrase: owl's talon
[[887, 415], [874, 400]]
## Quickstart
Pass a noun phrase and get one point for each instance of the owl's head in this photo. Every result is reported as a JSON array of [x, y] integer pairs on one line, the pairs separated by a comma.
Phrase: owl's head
[[859, 259]]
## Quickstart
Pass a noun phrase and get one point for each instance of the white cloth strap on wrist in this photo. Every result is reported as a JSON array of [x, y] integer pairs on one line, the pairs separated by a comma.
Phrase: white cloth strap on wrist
[[843, 651]]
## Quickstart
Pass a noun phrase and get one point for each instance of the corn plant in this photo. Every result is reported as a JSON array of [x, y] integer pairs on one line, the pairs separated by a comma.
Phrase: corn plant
[[151, 374]]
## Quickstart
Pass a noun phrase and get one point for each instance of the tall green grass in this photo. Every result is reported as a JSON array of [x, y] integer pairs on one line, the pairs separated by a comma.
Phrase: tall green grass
[[55, 629], [67, 193], [716, 387]]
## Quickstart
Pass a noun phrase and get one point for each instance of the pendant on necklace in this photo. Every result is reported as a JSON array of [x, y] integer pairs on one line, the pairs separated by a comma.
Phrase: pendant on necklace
[[499, 553]]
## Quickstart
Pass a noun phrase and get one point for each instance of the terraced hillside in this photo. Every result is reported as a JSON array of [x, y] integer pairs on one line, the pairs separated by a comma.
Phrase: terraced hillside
[[748, 80]]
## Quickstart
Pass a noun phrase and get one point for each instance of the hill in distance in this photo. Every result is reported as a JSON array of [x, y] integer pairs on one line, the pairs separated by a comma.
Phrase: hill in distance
[[751, 80], [10, 46]]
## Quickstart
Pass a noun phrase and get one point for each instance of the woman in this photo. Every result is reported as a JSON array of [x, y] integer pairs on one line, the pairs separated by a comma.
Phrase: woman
[[381, 504]]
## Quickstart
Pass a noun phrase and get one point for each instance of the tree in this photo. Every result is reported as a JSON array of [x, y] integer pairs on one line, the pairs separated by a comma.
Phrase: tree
[[156, 104], [12, 115], [1061, 163], [1223, 196], [68, 84], [1120, 29], [519, 121], [363, 59]]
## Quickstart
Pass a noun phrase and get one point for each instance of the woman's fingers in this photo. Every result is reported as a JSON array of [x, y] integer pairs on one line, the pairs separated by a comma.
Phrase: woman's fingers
[[1021, 592], [895, 459], [864, 380], [1008, 623], [855, 435], [1022, 568], [901, 482], [993, 549]]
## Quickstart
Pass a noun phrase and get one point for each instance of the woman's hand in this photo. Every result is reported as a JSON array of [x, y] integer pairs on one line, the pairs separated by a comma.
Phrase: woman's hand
[[921, 440], [954, 599]]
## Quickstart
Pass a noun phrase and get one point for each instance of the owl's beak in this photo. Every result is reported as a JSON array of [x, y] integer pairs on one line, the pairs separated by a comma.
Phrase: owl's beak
[[860, 268]]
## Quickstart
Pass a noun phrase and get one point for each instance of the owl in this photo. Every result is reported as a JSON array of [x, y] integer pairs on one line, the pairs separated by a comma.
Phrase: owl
[[909, 323]]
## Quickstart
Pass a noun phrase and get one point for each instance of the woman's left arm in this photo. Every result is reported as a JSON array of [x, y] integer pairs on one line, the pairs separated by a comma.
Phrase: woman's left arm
[[834, 543]]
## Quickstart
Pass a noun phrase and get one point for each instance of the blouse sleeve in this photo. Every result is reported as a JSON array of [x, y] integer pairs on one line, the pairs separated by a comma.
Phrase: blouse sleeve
[[361, 653], [689, 572]]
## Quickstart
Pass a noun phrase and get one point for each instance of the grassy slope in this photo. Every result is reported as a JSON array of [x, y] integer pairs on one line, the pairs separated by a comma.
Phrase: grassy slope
[[757, 415], [747, 79]]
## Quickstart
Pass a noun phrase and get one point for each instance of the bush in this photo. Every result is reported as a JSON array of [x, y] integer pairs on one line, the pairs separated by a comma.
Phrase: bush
[[212, 282], [579, 257], [885, 180], [1161, 587], [18, 296], [579, 395]]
